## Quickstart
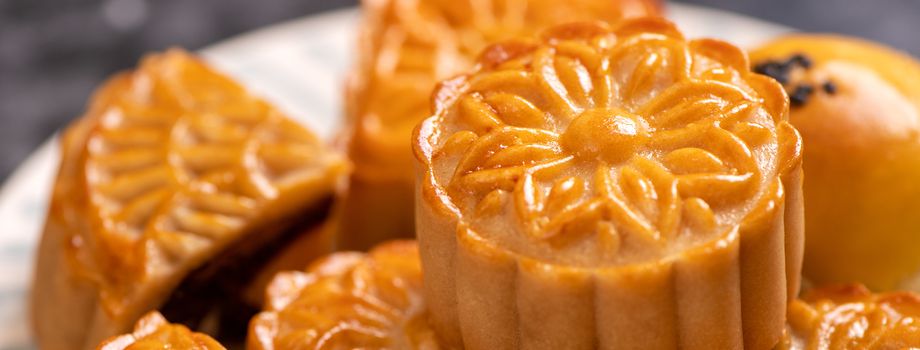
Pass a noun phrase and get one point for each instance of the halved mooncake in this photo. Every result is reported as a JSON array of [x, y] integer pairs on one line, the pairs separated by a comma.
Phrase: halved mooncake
[[857, 105], [609, 188], [406, 47], [153, 332], [348, 301], [176, 190], [850, 317]]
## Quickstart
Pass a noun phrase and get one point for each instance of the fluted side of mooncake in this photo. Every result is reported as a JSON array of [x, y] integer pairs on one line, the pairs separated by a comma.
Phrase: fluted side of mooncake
[[609, 188]]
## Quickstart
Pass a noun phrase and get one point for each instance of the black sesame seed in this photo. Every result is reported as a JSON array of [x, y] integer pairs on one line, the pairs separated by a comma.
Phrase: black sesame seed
[[829, 87], [800, 59], [781, 69], [800, 95], [774, 69]]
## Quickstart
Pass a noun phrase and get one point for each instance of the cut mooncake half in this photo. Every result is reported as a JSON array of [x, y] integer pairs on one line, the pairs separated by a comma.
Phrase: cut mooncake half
[[405, 48], [609, 187], [850, 317], [178, 191], [348, 301], [153, 332]]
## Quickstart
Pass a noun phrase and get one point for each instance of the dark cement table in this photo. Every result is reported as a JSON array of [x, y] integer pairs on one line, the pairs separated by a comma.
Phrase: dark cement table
[[54, 52]]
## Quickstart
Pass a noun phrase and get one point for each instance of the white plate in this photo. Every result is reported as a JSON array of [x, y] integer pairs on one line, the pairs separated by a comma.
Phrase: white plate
[[300, 66]]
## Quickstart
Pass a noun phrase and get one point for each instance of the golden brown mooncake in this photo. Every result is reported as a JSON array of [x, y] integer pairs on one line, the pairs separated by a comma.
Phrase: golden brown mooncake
[[850, 317], [153, 332], [406, 47], [175, 190], [348, 300], [857, 105], [608, 187]]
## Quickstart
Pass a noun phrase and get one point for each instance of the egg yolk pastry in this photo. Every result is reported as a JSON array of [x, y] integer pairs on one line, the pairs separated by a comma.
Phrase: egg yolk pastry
[[850, 317], [174, 191], [405, 48], [609, 187], [857, 105], [153, 332], [348, 300]]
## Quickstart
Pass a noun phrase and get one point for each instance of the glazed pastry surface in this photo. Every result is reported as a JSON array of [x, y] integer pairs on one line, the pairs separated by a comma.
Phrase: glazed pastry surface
[[346, 301], [172, 165], [851, 317], [857, 105], [405, 48], [609, 176], [153, 332]]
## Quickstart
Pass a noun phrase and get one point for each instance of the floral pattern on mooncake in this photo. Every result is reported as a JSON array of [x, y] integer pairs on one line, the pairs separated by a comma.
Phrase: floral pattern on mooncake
[[405, 48], [153, 332], [850, 317], [598, 159], [174, 176], [348, 301]]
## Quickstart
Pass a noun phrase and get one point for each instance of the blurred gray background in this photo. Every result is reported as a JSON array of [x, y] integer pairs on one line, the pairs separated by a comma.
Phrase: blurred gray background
[[54, 52]]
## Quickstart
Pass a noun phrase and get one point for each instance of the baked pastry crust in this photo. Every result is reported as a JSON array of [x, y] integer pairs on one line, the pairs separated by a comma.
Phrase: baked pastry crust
[[153, 332], [172, 165], [348, 300], [849, 317], [862, 156], [609, 188], [405, 48]]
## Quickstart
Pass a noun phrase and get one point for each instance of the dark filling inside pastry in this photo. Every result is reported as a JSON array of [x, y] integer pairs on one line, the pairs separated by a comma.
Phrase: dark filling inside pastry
[[211, 298]]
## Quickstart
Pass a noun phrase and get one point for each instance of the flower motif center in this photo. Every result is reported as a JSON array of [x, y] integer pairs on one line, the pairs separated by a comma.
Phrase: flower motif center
[[612, 135]]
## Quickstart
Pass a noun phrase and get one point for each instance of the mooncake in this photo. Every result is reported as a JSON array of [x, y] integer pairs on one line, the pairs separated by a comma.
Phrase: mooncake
[[609, 187], [857, 105], [405, 48], [153, 332], [850, 317], [348, 300], [176, 190]]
